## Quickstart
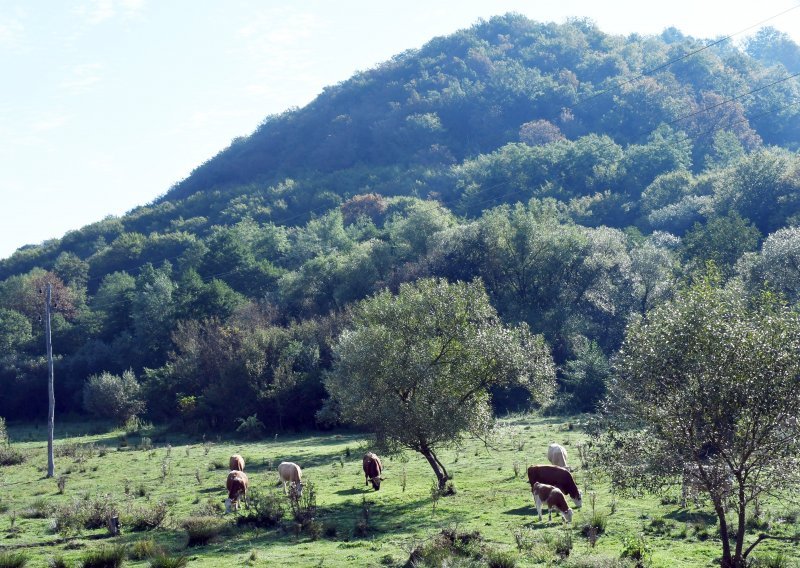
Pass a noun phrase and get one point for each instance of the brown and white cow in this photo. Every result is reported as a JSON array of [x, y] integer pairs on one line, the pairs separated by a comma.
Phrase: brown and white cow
[[290, 473], [371, 464], [553, 498], [236, 463], [237, 489], [557, 455], [557, 477]]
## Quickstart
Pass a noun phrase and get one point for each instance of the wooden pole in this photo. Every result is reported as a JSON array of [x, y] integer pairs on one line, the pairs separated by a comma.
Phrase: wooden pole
[[51, 466]]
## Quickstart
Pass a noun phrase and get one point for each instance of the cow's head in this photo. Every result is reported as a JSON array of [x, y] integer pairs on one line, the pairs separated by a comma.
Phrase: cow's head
[[567, 515], [296, 489], [376, 482], [231, 504], [578, 500]]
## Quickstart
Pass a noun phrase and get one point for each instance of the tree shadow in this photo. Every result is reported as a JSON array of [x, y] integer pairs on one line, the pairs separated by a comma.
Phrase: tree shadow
[[522, 511], [354, 491], [685, 515]]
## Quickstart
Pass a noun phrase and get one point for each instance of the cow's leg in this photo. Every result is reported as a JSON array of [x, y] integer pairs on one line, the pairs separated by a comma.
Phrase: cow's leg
[[538, 503]]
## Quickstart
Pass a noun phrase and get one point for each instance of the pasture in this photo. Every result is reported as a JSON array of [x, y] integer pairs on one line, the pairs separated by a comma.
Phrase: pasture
[[153, 476]]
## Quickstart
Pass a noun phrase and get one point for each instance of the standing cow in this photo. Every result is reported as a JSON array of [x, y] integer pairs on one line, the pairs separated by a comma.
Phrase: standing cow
[[290, 473], [557, 455], [557, 477], [237, 489], [236, 463], [371, 464], [553, 498]]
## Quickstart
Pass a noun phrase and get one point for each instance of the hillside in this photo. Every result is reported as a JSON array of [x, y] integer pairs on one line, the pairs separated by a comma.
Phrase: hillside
[[580, 175]]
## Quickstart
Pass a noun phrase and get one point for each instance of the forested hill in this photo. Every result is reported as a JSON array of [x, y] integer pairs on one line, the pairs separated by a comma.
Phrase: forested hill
[[579, 175]]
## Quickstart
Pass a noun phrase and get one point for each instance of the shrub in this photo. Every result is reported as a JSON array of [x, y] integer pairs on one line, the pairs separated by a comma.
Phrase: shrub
[[771, 560], [10, 455], [39, 509], [501, 559], [112, 396], [267, 508], [147, 518], [104, 557], [636, 548], [57, 562], [12, 559], [3, 431], [201, 530], [595, 525], [164, 561], [250, 427], [143, 549]]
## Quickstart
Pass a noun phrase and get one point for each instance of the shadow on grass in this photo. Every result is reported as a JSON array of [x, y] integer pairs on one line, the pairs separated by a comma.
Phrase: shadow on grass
[[354, 491], [521, 511], [685, 515]]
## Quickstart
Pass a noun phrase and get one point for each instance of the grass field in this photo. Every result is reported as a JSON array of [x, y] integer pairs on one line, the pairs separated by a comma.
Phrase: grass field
[[492, 509]]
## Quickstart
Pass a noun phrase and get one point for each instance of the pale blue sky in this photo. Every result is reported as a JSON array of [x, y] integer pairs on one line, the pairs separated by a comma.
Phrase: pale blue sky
[[106, 103]]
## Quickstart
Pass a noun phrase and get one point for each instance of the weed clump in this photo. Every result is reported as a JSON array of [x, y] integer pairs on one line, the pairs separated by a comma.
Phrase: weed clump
[[202, 530], [267, 509], [104, 557], [164, 561], [13, 559]]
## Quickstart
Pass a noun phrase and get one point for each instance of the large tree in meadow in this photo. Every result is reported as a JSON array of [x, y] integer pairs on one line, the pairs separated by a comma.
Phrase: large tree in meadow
[[711, 380], [416, 368]]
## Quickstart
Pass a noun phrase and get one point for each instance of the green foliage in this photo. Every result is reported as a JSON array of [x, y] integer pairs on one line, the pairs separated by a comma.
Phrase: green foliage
[[700, 379], [442, 348], [202, 530], [113, 396], [105, 557], [12, 559]]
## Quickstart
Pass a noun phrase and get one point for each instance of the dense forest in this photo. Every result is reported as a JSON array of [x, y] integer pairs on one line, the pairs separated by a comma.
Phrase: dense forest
[[581, 177]]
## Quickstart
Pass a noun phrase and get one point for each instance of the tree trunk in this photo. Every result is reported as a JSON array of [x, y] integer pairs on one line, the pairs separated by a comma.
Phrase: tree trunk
[[726, 561], [436, 465]]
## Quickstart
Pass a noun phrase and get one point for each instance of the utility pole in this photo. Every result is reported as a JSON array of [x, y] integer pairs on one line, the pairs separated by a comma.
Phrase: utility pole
[[51, 466]]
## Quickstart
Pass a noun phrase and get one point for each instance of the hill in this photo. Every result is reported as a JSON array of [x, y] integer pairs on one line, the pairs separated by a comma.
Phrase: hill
[[580, 175]]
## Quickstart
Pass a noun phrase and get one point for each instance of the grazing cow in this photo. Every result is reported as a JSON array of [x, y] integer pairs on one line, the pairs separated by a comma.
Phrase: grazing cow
[[698, 478], [556, 476], [553, 498], [237, 489], [372, 470], [557, 455], [236, 463], [290, 473]]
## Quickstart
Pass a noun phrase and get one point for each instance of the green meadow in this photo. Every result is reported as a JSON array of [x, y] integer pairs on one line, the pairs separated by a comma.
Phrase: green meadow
[[490, 520]]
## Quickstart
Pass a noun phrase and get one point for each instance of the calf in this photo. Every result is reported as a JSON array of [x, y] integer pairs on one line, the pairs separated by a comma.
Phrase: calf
[[556, 476], [237, 489], [290, 473], [372, 470], [553, 497], [236, 463]]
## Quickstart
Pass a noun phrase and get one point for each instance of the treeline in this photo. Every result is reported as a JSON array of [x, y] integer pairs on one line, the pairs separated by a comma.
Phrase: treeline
[[543, 160]]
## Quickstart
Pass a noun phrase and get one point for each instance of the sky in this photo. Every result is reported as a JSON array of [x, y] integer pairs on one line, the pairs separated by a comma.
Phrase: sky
[[105, 104]]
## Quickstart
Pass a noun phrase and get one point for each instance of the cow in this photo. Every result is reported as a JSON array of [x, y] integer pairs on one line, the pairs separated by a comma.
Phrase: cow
[[236, 463], [553, 498], [696, 478], [290, 473], [237, 489], [557, 455], [556, 476], [371, 464]]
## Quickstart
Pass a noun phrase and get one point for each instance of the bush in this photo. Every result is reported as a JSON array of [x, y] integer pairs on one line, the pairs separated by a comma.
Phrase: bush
[[3, 431], [636, 548], [146, 518], [10, 456], [105, 557], [500, 559], [267, 508], [144, 549], [112, 396], [250, 427], [771, 560], [57, 562], [201, 530], [12, 559], [164, 561]]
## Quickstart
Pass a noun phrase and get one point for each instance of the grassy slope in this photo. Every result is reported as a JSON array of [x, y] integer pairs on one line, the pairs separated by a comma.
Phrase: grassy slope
[[490, 499]]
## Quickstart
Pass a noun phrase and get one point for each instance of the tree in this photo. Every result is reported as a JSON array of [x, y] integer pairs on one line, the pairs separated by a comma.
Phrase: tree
[[415, 369], [113, 396], [710, 379]]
